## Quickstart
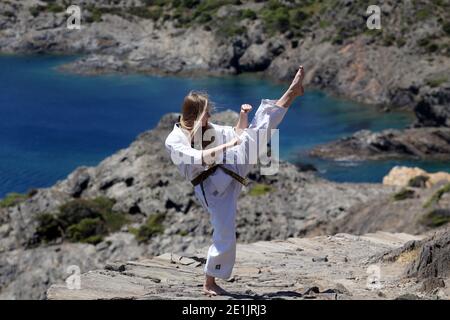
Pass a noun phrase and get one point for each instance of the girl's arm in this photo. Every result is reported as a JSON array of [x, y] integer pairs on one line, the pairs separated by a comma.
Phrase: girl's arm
[[243, 118], [209, 155]]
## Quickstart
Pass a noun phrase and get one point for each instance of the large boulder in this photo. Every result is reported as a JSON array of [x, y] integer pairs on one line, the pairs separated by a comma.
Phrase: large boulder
[[414, 177]]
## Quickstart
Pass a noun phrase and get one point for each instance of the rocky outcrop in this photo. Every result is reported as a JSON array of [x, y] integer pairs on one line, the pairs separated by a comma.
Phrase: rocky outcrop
[[417, 143], [433, 259], [434, 109], [414, 177], [146, 186], [411, 209], [328, 267], [332, 41], [428, 260]]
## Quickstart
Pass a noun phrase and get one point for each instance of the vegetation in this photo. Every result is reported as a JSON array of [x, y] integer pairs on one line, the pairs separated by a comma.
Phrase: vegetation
[[152, 227], [436, 82], [437, 196], [436, 218], [50, 7], [277, 17], [446, 28], [260, 189], [403, 194], [80, 220], [13, 199], [418, 181]]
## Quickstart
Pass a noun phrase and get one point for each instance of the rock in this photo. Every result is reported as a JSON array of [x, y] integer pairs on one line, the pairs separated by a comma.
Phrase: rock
[[414, 177], [418, 143], [167, 277], [413, 211], [434, 109], [408, 296], [320, 259], [433, 259], [430, 284], [257, 57]]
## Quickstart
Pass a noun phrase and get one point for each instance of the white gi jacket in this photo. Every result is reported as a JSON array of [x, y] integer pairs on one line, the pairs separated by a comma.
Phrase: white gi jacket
[[221, 190]]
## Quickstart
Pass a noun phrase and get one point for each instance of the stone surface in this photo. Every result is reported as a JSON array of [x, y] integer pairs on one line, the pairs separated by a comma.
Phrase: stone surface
[[417, 143], [264, 270], [401, 176]]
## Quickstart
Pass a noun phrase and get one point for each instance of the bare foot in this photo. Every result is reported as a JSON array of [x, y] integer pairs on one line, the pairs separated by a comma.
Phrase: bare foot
[[296, 86], [213, 290]]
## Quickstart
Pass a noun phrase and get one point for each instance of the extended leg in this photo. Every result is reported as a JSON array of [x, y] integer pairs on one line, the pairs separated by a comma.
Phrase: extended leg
[[268, 117], [295, 89]]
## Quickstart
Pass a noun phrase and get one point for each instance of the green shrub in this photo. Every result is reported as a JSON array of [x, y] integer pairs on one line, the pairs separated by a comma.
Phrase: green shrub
[[55, 8], [248, 14], [337, 40], [36, 10], [388, 40], [436, 82], [13, 199], [324, 24], [151, 227], [153, 13], [81, 220], [437, 196], [260, 189], [87, 230], [276, 20], [403, 194], [436, 218], [231, 30], [401, 42], [423, 14], [446, 28], [423, 42], [432, 47], [49, 228], [418, 181]]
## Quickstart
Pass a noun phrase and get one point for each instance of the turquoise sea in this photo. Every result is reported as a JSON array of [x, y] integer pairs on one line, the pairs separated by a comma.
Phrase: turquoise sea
[[52, 122]]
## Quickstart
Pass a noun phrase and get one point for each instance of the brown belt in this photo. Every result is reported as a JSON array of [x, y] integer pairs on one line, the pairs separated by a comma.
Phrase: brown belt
[[205, 174]]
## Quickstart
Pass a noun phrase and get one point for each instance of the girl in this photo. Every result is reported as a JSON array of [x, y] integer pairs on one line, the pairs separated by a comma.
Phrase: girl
[[202, 150]]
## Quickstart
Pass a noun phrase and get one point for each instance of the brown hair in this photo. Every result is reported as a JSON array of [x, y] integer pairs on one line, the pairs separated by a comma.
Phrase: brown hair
[[195, 105]]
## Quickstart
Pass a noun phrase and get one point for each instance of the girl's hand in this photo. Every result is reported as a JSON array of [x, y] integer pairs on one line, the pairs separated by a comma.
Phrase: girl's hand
[[234, 142], [246, 108]]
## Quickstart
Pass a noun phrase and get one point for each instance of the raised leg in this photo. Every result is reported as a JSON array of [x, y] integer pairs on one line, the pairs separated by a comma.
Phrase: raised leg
[[295, 89]]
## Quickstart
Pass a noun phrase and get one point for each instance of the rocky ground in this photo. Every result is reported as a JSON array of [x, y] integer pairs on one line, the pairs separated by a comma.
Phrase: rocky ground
[[335, 267]]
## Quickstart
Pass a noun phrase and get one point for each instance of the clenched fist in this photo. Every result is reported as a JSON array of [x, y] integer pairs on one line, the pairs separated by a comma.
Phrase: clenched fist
[[246, 108]]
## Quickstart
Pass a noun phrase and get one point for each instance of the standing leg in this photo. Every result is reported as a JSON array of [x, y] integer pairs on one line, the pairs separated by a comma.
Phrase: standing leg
[[222, 252]]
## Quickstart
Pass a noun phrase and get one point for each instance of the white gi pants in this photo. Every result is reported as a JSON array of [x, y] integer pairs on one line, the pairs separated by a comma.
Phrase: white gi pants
[[222, 192]]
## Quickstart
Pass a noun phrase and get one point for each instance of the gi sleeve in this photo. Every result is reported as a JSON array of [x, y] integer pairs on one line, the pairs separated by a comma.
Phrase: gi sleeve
[[181, 153]]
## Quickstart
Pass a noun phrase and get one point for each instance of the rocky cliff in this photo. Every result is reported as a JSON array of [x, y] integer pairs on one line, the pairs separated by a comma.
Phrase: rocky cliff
[[405, 64]]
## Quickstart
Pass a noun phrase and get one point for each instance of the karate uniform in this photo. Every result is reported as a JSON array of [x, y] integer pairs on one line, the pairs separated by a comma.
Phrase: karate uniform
[[221, 191]]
